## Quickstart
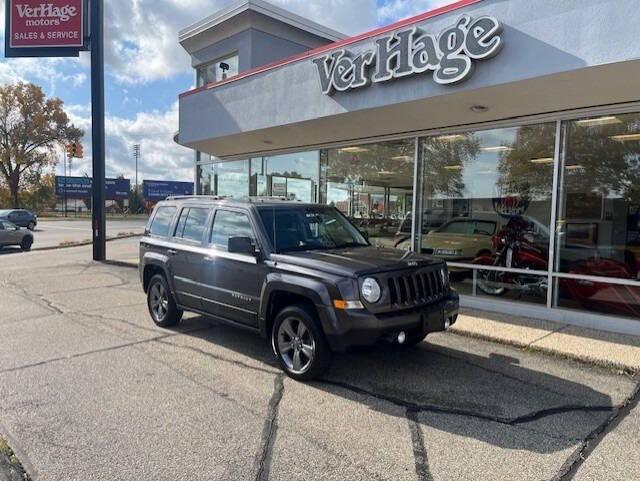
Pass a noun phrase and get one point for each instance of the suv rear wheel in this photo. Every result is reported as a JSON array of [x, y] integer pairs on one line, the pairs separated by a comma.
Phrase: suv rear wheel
[[299, 344], [161, 304]]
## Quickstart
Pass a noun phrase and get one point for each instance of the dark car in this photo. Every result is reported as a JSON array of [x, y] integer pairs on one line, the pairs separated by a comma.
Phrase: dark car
[[301, 275], [12, 235], [20, 217]]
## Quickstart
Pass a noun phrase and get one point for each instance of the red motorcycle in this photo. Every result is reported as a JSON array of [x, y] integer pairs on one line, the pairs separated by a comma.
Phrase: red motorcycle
[[515, 249]]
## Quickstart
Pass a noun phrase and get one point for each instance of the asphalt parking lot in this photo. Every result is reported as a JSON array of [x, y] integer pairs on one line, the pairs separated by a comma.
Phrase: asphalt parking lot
[[91, 390], [53, 232]]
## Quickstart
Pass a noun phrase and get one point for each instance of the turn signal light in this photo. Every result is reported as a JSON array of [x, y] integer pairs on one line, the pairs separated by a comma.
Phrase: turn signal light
[[344, 305]]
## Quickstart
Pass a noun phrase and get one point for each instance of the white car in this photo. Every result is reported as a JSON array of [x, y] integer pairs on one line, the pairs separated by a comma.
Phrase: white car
[[12, 235]]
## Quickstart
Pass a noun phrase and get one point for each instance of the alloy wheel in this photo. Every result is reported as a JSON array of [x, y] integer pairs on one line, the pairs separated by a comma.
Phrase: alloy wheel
[[159, 301], [296, 345]]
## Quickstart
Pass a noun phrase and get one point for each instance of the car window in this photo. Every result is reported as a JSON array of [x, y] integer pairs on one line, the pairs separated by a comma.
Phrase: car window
[[461, 227], [228, 224], [162, 221], [192, 224]]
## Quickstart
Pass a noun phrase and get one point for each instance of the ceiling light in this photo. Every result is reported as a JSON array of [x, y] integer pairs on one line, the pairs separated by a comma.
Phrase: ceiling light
[[451, 138], [625, 137], [479, 109], [405, 158], [354, 150], [600, 121], [486, 172], [575, 167], [542, 160], [497, 148], [386, 172], [453, 167]]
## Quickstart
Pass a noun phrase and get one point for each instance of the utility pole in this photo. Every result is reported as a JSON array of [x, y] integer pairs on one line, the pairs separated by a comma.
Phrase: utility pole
[[99, 223], [66, 183]]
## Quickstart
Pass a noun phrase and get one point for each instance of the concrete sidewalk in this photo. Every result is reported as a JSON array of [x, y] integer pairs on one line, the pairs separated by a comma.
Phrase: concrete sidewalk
[[604, 349]]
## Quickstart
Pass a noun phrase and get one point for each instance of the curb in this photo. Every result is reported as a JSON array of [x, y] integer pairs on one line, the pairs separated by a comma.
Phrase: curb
[[83, 243], [620, 368]]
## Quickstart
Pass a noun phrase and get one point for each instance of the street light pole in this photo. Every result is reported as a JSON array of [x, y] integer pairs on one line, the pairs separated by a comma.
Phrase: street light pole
[[136, 154]]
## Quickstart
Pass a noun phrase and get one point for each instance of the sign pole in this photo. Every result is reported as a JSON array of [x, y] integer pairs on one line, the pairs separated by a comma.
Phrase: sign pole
[[98, 130]]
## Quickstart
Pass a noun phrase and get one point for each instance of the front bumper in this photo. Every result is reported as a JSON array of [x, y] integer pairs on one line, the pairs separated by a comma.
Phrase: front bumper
[[351, 328]]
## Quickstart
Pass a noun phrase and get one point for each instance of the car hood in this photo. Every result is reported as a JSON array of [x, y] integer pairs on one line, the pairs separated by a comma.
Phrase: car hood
[[355, 261]]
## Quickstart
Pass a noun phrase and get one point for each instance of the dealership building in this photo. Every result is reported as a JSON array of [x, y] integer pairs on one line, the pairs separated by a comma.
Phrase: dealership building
[[502, 136]]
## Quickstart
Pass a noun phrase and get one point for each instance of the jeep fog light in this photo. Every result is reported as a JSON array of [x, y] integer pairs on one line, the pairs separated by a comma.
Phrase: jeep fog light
[[371, 290]]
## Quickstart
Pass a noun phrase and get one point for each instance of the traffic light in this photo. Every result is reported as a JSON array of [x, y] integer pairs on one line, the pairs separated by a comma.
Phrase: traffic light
[[75, 150]]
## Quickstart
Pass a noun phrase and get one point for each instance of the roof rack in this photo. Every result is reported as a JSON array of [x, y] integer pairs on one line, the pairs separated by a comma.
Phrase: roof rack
[[272, 198], [185, 197]]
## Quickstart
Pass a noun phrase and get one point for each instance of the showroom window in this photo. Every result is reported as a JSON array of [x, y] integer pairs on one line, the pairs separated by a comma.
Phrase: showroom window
[[217, 71], [294, 176], [487, 200], [372, 184], [598, 230], [228, 179]]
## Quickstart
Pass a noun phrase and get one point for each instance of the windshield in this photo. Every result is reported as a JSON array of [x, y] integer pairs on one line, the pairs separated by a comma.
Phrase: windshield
[[469, 227], [303, 228]]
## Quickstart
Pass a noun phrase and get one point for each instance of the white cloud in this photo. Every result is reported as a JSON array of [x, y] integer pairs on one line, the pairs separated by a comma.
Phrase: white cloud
[[142, 35], [49, 71], [161, 158]]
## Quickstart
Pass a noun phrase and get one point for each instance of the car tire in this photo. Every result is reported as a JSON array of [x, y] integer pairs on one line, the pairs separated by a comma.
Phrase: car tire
[[162, 307], [31, 226], [299, 343], [26, 243]]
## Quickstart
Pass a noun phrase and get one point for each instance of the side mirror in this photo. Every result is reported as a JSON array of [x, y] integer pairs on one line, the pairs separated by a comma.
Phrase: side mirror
[[241, 245]]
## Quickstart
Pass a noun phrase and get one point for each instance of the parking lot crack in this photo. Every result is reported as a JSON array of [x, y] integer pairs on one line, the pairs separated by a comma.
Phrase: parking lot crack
[[98, 351], [571, 466], [510, 421], [419, 447], [269, 431]]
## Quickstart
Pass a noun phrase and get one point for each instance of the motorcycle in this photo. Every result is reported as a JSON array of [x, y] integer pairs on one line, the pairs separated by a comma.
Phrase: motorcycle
[[515, 249]]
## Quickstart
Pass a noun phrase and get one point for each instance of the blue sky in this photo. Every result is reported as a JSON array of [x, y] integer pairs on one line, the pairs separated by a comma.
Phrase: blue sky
[[146, 69]]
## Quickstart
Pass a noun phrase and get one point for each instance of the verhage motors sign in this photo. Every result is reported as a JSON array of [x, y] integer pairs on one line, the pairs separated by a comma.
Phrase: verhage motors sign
[[46, 23], [449, 56]]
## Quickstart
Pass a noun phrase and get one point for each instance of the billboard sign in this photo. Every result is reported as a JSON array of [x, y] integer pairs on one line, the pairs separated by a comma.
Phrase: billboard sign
[[156, 190], [82, 187]]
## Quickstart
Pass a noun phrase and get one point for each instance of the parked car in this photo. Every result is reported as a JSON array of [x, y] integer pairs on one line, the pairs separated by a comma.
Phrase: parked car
[[20, 217], [301, 275], [460, 240], [12, 235]]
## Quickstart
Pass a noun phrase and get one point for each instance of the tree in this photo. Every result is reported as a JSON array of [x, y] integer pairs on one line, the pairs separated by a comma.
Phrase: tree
[[31, 126]]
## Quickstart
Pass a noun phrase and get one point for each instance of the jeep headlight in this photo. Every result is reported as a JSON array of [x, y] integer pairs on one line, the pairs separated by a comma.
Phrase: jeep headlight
[[371, 290]]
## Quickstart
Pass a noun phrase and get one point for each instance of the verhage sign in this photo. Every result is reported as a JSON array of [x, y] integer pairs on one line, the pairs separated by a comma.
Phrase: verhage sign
[[449, 56], [46, 23]]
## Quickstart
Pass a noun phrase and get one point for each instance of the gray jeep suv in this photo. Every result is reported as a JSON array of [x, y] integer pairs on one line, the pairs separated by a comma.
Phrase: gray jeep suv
[[300, 275]]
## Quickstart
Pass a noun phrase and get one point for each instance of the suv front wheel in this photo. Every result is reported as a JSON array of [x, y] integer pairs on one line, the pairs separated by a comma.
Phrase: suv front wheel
[[161, 304], [299, 344]]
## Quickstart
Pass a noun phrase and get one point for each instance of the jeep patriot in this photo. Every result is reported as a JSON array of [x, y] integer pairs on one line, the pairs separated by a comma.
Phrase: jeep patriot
[[300, 275]]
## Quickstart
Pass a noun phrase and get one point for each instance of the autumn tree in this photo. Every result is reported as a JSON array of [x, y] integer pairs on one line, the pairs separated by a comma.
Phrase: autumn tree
[[31, 127]]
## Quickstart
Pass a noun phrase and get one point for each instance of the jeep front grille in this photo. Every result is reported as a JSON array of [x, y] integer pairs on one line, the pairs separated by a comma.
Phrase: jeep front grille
[[420, 287]]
